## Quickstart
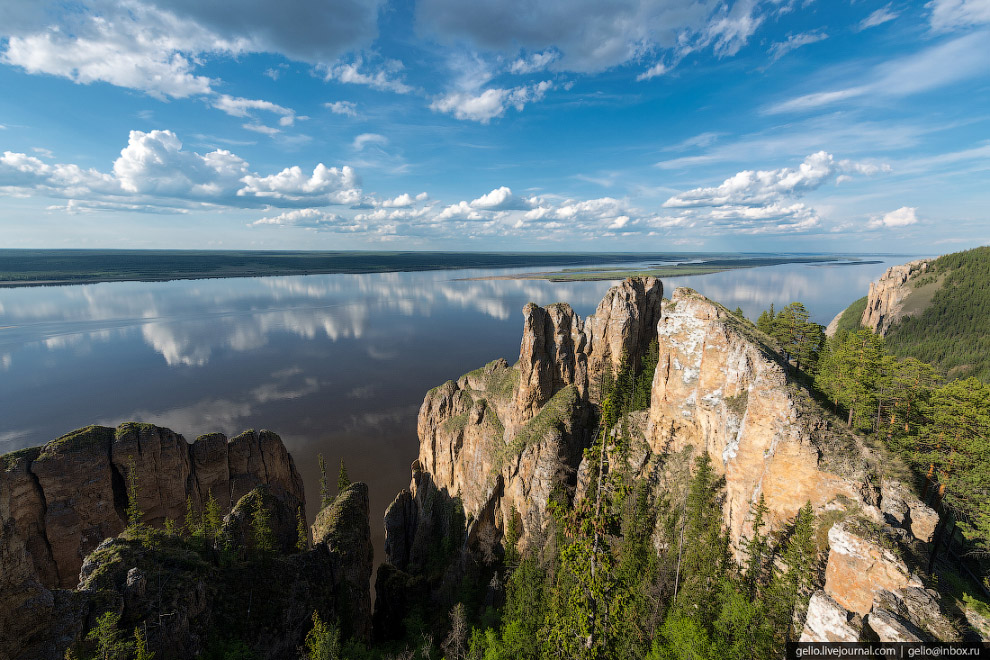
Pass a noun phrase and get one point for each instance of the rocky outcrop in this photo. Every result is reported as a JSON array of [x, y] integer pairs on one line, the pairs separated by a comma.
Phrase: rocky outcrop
[[502, 438], [859, 568], [827, 621], [558, 349], [720, 387], [60, 501], [887, 295]]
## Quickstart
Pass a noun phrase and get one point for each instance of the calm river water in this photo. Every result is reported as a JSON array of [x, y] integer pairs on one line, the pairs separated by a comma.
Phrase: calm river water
[[336, 364]]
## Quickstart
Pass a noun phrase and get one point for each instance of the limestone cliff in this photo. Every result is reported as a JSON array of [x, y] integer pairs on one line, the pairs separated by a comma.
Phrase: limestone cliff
[[720, 386], [888, 295], [502, 441], [60, 501]]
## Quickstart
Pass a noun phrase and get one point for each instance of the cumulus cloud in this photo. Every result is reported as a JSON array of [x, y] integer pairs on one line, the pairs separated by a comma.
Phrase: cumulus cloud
[[154, 171], [310, 218], [760, 201], [953, 14], [501, 199], [491, 103], [404, 200], [902, 217]]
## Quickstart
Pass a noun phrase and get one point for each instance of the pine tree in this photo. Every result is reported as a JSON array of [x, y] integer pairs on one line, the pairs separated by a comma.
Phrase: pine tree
[[134, 513], [193, 522], [789, 590], [109, 646], [212, 520], [141, 651], [261, 524], [342, 480], [302, 535], [325, 498], [323, 640]]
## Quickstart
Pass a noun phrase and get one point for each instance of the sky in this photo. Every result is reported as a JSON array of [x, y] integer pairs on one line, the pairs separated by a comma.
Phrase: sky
[[548, 125]]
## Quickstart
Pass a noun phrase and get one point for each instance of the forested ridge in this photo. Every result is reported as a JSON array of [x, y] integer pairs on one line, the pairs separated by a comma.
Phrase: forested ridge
[[951, 332]]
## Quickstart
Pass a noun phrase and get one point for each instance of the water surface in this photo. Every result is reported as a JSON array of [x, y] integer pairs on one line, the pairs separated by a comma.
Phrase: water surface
[[336, 364]]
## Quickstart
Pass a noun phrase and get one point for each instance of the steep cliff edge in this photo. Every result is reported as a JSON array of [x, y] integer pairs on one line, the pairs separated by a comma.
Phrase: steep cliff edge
[[500, 443], [720, 386], [60, 501], [888, 297]]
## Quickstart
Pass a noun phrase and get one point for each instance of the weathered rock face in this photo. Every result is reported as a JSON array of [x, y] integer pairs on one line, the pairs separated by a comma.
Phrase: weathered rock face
[[60, 501], [502, 438], [859, 568], [827, 621], [720, 388], [887, 295], [558, 349]]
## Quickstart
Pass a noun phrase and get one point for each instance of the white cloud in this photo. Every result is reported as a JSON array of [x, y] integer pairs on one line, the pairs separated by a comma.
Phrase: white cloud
[[879, 17], [404, 200], [902, 217], [760, 201], [363, 140], [781, 48], [310, 218], [935, 67], [754, 188], [729, 31], [491, 103], [952, 14], [335, 186], [155, 173], [270, 131], [346, 108], [535, 62], [657, 69], [501, 199], [384, 79], [241, 107]]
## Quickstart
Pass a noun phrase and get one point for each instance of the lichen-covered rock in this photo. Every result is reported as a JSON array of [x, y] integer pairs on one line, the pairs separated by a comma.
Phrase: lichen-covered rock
[[858, 568], [890, 628], [914, 609], [827, 621], [720, 387], [238, 528]]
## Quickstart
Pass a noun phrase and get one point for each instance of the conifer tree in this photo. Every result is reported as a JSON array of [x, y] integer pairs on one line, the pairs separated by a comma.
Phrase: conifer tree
[[141, 651], [261, 525], [134, 513], [193, 523], [790, 589], [342, 480], [212, 520], [109, 645], [323, 640], [325, 498], [302, 535]]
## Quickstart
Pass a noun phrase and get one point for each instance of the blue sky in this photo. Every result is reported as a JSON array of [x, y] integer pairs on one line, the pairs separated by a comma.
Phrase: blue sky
[[643, 125]]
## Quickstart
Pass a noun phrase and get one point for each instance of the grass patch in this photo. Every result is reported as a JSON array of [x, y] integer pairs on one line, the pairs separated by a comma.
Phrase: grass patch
[[552, 417]]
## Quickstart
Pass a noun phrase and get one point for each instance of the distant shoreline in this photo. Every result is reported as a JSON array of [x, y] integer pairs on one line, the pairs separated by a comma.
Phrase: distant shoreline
[[27, 268]]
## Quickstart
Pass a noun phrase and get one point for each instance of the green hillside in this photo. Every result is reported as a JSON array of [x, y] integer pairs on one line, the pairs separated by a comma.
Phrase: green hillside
[[951, 331]]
